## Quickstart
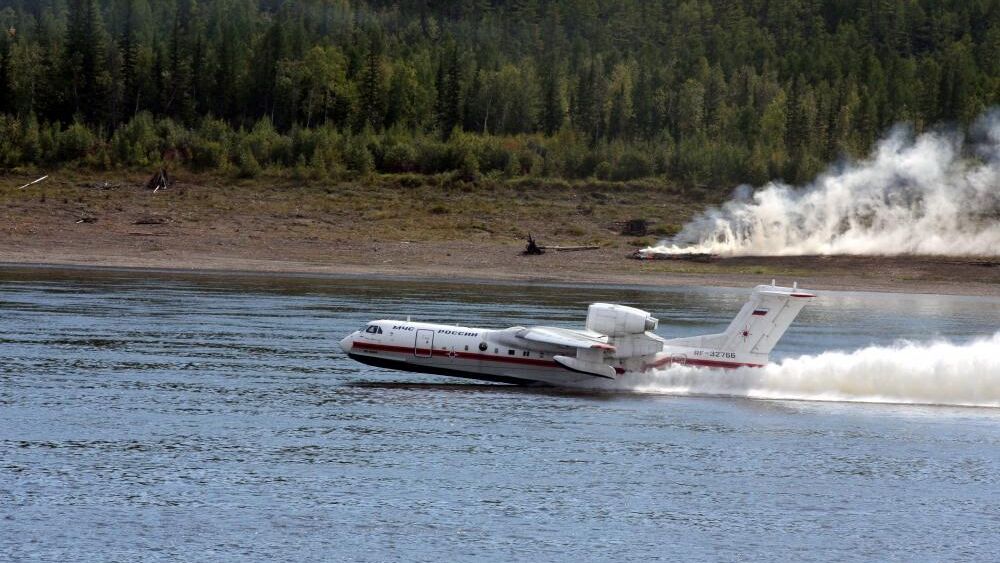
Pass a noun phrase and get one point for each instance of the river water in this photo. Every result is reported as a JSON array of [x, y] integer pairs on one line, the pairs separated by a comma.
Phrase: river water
[[157, 416]]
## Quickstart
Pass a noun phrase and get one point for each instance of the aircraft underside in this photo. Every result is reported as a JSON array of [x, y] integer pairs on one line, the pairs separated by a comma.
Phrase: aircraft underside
[[554, 375]]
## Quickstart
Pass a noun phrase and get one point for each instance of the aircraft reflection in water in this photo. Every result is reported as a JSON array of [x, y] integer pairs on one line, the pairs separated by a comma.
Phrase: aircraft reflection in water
[[616, 339]]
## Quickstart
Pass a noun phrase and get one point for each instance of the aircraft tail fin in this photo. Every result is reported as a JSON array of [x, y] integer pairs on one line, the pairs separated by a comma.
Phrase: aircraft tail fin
[[760, 323]]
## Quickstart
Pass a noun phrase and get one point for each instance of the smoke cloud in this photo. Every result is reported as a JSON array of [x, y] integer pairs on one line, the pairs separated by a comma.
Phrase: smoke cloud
[[938, 373], [937, 193]]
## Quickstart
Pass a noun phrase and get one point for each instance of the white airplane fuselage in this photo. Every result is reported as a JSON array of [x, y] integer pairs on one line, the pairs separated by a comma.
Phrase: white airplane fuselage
[[616, 340], [477, 353]]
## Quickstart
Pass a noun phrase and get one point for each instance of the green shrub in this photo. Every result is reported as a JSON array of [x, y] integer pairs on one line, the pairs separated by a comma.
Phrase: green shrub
[[631, 166], [208, 155], [137, 142], [532, 163], [603, 170], [75, 142], [10, 141], [48, 142], [461, 156], [493, 155], [268, 146], [31, 147], [399, 157], [327, 156], [359, 158], [249, 167], [171, 135], [99, 157], [212, 129], [468, 168], [433, 156]]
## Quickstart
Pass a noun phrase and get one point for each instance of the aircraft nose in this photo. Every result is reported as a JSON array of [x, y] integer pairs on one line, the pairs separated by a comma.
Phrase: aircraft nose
[[347, 342]]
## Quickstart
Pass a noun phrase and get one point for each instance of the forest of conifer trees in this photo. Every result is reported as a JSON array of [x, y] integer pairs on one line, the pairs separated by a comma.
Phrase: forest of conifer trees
[[697, 92]]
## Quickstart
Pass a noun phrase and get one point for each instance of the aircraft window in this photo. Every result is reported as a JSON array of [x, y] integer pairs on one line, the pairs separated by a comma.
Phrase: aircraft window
[[496, 350], [526, 353], [510, 352], [483, 346], [379, 329], [466, 347], [372, 329]]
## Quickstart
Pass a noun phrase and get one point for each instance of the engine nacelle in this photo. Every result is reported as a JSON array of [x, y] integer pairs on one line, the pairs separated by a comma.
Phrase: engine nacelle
[[618, 320]]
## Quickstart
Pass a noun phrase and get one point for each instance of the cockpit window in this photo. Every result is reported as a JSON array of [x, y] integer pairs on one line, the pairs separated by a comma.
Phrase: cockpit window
[[374, 330]]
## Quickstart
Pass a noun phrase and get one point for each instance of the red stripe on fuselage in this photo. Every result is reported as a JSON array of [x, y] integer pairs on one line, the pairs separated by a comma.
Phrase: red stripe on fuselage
[[542, 363], [704, 363], [455, 354]]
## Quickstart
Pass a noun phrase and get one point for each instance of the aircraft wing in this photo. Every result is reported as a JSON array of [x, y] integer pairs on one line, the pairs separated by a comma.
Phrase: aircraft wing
[[566, 337]]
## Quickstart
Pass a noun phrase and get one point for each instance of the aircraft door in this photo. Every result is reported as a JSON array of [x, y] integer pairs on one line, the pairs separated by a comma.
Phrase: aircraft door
[[423, 343]]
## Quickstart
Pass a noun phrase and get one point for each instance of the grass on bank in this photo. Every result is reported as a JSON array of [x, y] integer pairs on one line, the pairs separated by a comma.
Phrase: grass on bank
[[382, 207]]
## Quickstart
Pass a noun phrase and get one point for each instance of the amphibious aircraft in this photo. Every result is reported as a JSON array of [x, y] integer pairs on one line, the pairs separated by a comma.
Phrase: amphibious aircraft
[[615, 340]]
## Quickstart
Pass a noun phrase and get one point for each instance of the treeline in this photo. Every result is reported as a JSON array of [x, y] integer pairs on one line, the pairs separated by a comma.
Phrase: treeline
[[703, 92]]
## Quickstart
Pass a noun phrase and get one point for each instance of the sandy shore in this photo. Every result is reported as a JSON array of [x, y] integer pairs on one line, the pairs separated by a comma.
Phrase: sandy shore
[[194, 228], [457, 261]]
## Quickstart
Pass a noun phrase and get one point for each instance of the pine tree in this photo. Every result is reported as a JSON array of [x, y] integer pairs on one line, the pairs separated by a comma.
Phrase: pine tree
[[372, 95], [129, 53], [6, 94], [85, 95], [587, 116], [181, 102], [552, 108], [618, 117], [450, 93]]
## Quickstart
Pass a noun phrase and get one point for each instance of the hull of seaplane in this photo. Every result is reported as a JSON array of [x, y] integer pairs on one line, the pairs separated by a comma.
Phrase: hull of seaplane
[[616, 341], [495, 364]]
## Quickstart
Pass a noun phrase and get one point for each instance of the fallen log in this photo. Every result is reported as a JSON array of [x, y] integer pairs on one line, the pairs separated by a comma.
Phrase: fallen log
[[570, 248], [33, 183], [689, 256]]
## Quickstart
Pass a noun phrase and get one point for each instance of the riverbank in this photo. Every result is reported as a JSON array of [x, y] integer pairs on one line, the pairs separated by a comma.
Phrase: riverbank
[[440, 229]]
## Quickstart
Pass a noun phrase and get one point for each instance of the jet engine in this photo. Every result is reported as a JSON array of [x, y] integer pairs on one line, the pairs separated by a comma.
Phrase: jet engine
[[618, 320]]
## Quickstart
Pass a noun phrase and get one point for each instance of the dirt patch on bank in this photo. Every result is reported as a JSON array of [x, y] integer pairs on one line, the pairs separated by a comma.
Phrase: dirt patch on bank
[[440, 231]]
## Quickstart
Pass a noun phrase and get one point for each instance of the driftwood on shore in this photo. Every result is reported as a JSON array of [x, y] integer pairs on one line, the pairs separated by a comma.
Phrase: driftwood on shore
[[535, 249], [159, 181], [570, 248], [688, 256], [34, 182], [532, 248]]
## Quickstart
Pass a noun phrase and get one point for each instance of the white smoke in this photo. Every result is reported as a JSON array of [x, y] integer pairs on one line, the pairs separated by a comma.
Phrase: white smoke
[[939, 373], [920, 195]]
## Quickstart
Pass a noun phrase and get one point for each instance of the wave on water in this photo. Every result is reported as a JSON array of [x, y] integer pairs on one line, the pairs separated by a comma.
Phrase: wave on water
[[936, 373], [933, 194]]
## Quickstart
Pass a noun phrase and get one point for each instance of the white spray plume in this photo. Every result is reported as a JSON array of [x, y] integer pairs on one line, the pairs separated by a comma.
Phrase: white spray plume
[[938, 373], [912, 196]]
